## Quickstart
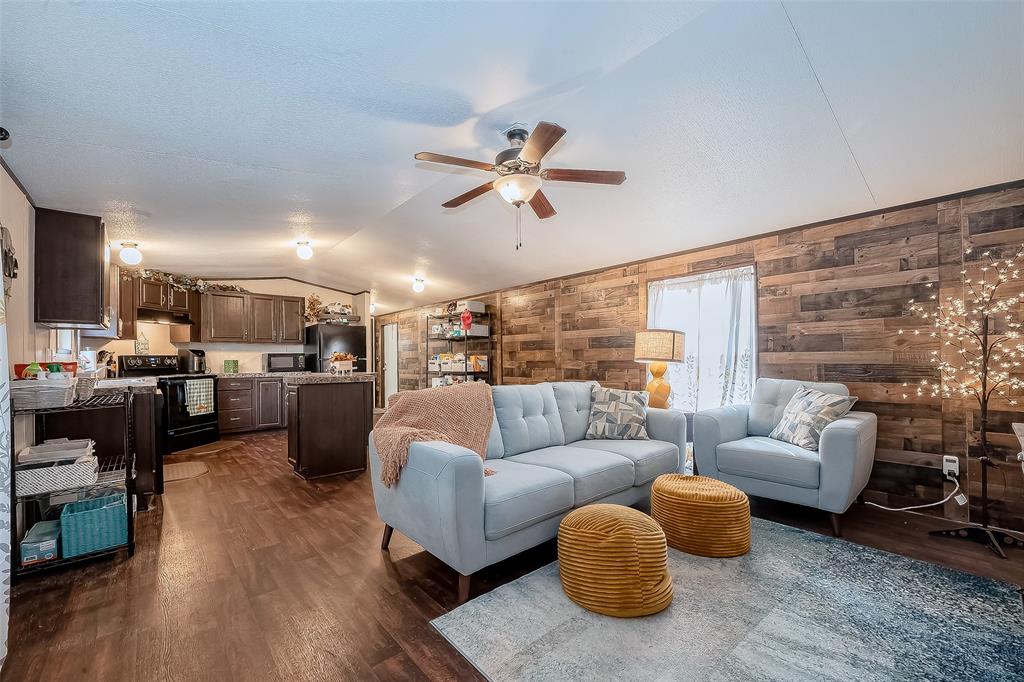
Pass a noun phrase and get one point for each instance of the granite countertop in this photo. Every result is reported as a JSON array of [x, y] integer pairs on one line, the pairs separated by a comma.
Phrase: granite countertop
[[260, 375], [324, 378]]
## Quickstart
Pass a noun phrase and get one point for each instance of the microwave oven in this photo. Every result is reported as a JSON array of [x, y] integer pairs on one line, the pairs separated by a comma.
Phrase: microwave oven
[[284, 362]]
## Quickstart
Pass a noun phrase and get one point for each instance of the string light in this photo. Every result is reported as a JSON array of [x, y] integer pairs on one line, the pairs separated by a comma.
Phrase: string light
[[984, 335]]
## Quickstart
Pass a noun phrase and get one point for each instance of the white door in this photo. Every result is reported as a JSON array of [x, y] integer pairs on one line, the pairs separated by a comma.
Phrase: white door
[[390, 355]]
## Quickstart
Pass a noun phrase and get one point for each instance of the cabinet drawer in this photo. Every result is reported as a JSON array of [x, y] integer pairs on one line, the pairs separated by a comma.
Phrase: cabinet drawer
[[234, 400], [234, 420], [234, 384]]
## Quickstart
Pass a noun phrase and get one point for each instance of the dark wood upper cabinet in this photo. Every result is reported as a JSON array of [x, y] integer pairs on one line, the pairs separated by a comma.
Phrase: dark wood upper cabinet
[[126, 292], [151, 294], [178, 299], [226, 317], [235, 317], [72, 278], [117, 313], [291, 313], [264, 323]]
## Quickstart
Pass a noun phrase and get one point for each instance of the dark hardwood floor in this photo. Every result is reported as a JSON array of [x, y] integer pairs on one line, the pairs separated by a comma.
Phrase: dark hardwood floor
[[249, 572]]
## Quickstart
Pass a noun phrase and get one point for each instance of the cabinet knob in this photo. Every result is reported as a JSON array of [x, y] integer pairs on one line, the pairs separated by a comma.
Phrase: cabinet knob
[[235, 419], [234, 400]]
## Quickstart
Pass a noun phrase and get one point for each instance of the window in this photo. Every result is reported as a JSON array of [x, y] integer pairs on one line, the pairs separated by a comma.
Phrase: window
[[716, 311]]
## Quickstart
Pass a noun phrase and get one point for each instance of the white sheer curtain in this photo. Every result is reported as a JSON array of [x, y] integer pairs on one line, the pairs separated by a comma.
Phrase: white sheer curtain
[[716, 312]]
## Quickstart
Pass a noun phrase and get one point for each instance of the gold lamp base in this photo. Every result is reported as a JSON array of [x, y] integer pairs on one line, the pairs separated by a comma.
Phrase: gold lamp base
[[658, 388]]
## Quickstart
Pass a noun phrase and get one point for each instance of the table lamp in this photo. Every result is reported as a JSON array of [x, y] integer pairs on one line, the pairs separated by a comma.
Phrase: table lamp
[[658, 347]]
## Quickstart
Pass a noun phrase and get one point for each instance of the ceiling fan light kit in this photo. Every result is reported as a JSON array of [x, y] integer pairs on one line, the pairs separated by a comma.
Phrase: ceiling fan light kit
[[520, 173]]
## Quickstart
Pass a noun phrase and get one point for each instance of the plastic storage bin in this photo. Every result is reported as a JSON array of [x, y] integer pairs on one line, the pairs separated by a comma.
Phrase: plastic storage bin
[[93, 525]]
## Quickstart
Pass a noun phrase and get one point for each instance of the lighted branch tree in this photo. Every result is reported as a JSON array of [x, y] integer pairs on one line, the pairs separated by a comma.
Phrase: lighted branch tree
[[982, 350]]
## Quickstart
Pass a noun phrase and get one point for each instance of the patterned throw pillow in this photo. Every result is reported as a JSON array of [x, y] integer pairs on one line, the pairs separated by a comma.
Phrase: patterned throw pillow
[[807, 414], [617, 414]]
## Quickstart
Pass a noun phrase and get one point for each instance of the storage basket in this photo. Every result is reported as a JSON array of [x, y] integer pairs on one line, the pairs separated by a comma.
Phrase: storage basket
[[92, 525], [48, 477], [85, 387], [40, 394]]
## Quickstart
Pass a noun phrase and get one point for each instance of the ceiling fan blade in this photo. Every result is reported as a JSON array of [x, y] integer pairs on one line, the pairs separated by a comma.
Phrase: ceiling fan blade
[[577, 175], [454, 161], [468, 196], [541, 206], [541, 140]]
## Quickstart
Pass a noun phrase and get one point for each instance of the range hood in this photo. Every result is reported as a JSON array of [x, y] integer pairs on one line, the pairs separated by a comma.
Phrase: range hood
[[163, 317]]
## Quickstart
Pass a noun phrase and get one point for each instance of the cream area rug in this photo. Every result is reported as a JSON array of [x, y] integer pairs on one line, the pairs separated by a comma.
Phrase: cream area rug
[[182, 471]]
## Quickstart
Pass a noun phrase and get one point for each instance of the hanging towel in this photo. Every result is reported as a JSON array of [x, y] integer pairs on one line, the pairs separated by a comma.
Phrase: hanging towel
[[199, 396]]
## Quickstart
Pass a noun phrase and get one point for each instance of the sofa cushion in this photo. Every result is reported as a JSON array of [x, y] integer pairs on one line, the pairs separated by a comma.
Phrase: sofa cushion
[[771, 397], [573, 399], [528, 417], [520, 495], [495, 448], [651, 458], [618, 414], [807, 414], [595, 473], [767, 459]]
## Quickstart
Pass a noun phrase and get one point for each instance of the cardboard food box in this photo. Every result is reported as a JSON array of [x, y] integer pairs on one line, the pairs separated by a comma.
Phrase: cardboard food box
[[471, 306], [41, 543]]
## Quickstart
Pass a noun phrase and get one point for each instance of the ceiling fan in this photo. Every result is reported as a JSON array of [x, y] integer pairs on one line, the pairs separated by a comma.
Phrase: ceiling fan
[[519, 173]]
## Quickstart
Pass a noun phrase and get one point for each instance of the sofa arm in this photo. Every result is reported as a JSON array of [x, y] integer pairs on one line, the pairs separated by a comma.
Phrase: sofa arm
[[712, 428], [438, 502], [847, 454], [669, 426]]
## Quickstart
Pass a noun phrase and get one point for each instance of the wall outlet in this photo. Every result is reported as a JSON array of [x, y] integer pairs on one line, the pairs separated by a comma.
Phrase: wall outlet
[[950, 466]]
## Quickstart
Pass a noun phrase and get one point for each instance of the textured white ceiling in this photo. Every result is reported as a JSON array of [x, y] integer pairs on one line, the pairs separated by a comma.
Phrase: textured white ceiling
[[231, 125]]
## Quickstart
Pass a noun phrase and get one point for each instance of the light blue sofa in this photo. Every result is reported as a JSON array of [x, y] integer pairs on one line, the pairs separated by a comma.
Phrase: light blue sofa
[[732, 444], [544, 469]]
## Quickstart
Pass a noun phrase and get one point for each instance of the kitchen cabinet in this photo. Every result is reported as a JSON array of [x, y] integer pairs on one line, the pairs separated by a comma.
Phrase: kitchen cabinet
[[235, 317], [154, 295], [178, 299], [291, 314], [269, 396], [72, 271], [226, 317], [116, 328], [263, 311], [250, 404], [151, 294]]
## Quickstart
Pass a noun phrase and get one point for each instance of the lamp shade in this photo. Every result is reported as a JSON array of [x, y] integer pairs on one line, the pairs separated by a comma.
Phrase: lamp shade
[[658, 345], [517, 188]]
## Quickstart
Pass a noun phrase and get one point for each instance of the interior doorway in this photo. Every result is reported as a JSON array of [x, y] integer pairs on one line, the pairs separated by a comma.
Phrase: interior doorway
[[389, 338]]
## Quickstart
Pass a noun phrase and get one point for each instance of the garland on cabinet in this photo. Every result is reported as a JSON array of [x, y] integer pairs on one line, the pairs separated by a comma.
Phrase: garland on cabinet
[[187, 282]]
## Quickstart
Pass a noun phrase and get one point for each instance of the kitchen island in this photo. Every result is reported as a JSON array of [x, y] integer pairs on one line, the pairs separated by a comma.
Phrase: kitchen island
[[329, 422]]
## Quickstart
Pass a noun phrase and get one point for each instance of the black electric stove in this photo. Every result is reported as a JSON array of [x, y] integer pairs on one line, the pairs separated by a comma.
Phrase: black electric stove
[[181, 429]]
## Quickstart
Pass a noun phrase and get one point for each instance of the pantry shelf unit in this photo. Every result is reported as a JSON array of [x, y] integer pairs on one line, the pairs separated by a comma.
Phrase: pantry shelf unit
[[467, 344], [116, 470]]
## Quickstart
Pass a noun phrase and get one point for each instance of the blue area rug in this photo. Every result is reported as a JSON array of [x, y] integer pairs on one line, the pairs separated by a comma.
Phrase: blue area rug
[[800, 606]]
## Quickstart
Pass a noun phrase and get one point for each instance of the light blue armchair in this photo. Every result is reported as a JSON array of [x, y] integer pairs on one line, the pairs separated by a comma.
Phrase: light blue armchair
[[732, 444]]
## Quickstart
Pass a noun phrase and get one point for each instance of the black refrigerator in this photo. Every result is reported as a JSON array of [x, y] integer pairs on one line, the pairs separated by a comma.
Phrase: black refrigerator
[[324, 339]]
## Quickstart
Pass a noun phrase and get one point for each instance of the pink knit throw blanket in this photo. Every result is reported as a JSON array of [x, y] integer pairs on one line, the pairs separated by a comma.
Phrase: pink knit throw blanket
[[460, 414]]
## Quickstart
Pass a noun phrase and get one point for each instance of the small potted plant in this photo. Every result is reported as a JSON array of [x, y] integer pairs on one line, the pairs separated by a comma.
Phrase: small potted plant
[[342, 363]]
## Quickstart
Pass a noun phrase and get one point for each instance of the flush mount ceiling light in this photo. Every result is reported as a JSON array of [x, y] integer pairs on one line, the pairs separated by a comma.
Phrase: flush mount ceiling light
[[303, 250], [130, 254], [418, 285]]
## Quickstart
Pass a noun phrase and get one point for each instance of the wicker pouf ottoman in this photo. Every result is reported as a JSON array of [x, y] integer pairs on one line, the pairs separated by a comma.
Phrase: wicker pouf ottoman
[[613, 560], [701, 515]]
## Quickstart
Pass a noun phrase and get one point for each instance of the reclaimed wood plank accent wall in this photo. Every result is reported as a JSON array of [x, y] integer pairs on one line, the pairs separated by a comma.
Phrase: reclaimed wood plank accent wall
[[832, 299]]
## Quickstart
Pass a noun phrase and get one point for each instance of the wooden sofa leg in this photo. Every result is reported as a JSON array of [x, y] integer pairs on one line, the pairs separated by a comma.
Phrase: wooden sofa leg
[[836, 527], [386, 540], [463, 588]]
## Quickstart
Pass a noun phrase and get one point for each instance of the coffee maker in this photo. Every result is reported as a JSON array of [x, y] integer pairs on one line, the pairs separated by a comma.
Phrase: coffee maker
[[192, 360]]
